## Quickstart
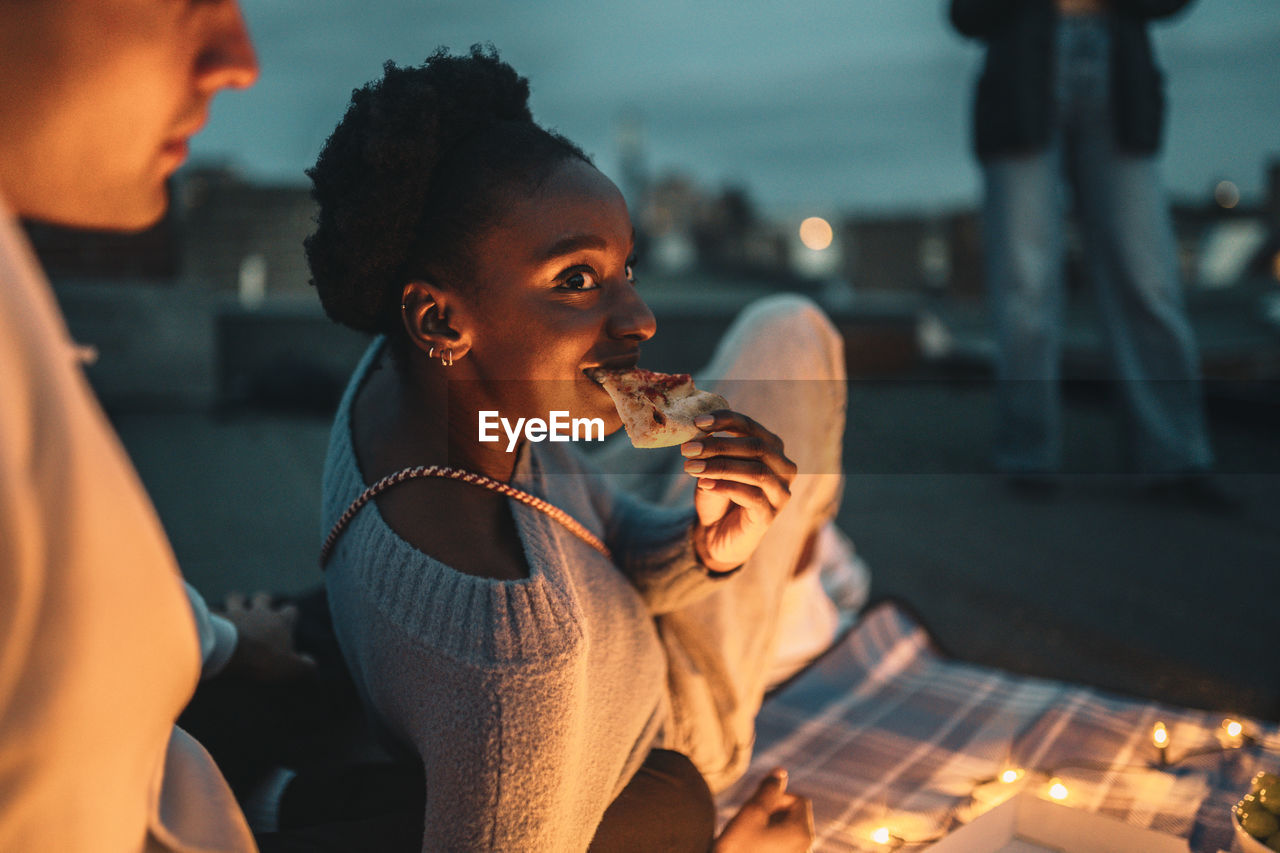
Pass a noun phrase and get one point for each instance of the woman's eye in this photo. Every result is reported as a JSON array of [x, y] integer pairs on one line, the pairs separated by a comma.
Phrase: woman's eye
[[579, 281]]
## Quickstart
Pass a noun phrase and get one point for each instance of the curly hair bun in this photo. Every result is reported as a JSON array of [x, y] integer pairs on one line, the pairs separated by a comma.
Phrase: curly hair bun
[[373, 175]]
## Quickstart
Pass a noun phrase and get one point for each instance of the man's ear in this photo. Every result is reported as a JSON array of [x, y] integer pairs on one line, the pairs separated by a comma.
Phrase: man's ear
[[425, 312]]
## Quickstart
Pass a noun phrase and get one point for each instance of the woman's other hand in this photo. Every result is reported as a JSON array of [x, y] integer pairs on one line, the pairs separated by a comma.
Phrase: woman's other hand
[[772, 821], [264, 646], [744, 481]]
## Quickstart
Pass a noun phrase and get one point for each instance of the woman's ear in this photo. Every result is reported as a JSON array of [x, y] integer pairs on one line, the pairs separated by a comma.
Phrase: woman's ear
[[425, 312]]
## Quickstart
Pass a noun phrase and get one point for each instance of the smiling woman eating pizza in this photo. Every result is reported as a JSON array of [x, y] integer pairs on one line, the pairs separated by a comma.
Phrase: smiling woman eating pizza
[[558, 654]]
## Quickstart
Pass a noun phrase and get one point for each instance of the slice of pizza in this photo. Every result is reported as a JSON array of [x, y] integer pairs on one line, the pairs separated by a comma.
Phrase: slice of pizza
[[657, 409]]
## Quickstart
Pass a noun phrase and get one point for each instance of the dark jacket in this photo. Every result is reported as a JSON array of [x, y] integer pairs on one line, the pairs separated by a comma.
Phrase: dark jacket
[[1014, 106]]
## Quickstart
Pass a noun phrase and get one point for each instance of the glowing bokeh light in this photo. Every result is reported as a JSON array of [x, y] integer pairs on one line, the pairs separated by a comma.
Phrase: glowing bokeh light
[[1057, 790], [1233, 727], [1226, 194], [881, 835], [816, 233], [1160, 735], [1010, 776]]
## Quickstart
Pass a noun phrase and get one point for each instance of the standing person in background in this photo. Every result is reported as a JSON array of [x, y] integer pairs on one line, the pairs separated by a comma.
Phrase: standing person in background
[[1070, 92], [99, 651]]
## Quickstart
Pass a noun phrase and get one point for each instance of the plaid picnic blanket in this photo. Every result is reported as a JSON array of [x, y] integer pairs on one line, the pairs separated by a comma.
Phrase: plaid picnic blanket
[[884, 731]]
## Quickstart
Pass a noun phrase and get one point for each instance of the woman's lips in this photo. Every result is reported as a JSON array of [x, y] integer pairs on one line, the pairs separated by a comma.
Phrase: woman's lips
[[618, 362]]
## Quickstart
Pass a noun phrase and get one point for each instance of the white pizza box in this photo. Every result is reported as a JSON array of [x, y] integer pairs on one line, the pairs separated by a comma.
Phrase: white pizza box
[[1026, 823]]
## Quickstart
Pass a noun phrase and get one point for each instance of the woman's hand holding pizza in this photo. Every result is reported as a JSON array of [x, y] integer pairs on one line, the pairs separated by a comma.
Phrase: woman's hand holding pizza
[[744, 481], [744, 477]]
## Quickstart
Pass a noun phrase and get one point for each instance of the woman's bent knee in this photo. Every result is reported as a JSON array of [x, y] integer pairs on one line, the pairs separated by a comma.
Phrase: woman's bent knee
[[795, 334]]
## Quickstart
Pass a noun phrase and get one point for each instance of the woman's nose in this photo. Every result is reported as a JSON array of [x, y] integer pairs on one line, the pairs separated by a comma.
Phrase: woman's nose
[[630, 317]]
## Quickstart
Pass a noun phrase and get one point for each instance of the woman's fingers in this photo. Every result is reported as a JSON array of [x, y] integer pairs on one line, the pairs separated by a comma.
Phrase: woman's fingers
[[744, 447], [735, 423], [750, 455], [745, 439], [741, 465], [752, 472], [771, 821], [725, 420], [800, 814], [771, 790], [751, 498]]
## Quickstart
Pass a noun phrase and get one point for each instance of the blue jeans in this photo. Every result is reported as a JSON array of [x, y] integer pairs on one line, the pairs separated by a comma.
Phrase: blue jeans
[[1131, 257]]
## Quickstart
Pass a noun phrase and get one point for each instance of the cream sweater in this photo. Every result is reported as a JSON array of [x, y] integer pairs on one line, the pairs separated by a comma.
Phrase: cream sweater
[[98, 648], [531, 703]]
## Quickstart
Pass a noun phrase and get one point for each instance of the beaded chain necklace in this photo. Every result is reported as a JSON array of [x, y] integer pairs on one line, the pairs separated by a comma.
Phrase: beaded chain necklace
[[570, 523]]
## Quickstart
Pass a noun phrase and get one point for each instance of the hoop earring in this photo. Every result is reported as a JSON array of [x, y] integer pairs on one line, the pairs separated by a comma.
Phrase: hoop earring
[[431, 353]]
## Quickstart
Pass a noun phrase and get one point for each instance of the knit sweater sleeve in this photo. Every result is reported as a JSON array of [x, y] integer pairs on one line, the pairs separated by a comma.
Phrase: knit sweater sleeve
[[484, 680], [652, 544]]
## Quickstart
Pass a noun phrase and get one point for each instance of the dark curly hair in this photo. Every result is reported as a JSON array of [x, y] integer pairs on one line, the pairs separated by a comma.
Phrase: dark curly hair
[[416, 169]]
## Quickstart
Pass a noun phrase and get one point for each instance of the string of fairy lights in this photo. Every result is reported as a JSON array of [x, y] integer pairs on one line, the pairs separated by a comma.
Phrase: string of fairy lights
[[1231, 735]]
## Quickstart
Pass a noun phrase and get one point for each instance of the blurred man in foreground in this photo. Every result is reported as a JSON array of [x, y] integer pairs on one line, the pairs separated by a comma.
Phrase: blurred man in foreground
[[98, 647]]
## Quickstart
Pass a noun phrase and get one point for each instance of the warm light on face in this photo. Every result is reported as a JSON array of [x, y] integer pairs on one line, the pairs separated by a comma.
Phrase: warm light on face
[[1160, 735], [816, 233], [1057, 790]]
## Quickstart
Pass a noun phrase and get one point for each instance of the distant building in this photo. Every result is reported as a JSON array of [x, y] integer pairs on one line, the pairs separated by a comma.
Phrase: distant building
[[939, 253], [237, 235], [217, 228], [686, 227], [153, 304]]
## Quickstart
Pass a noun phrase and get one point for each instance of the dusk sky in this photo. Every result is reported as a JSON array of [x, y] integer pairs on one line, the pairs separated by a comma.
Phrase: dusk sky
[[832, 105]]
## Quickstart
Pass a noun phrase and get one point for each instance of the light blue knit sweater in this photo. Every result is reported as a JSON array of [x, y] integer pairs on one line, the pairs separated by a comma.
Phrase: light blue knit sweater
[[531, 703]]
